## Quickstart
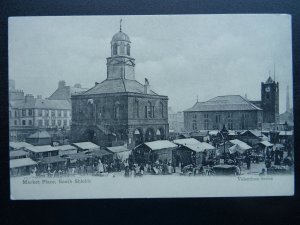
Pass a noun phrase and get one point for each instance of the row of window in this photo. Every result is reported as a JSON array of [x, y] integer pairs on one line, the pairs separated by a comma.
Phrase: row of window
[[121, 49], [43, 123], [39, 112]]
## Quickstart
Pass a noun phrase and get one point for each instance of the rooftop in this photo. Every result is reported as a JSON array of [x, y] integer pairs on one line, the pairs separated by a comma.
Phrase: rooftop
[[161, 144], [43, 148], [40, 134], [117, 86], [18, 145], [41, 104], [117, 149], [86, 145], [224, 103], [194, 144]]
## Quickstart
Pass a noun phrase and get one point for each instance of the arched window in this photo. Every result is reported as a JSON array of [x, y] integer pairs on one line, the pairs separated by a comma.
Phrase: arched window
[[115, 49], [122, 49], [117, 110], [162, 110], [149, 110], [128, 49], [136, 108]]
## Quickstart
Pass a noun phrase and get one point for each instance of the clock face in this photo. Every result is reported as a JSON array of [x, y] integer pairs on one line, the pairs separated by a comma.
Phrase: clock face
[[267, 89]]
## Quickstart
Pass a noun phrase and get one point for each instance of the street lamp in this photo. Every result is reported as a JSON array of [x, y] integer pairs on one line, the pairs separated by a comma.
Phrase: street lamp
[[224, 134]]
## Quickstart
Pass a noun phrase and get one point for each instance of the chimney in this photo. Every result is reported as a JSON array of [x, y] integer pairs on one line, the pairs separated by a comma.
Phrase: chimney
[[77, 85], [146, 87], [39, 96], [61, 84], [29, 98]]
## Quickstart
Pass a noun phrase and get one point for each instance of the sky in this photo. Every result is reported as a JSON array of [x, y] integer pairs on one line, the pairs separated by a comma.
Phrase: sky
[[182, 56]]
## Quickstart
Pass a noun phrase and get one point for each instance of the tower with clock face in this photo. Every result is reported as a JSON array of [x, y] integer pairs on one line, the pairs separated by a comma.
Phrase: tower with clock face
[[270, 101]]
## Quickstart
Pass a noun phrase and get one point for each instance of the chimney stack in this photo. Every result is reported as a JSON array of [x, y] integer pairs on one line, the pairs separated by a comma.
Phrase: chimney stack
[[146, 87], [29, 98], [39, 96], [61, 84], [77, 85]]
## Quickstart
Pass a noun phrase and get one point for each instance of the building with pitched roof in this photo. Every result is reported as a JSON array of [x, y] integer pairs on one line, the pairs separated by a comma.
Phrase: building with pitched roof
[[233, 111], [119, 110]]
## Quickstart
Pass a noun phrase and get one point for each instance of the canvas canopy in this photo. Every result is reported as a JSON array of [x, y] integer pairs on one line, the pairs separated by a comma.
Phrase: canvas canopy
[[52, 159], [236, 148], [241, 144], [43, 148], [17, 153], [266, 143], [79, 155], [213, 132], [194, 144], [99, 152], [18, 145], [86, 145], [15, 163], [285, 133], [161, 144]]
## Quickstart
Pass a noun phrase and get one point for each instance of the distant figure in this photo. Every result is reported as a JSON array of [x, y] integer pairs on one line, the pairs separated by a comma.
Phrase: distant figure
[[263, 172], [100, 167]]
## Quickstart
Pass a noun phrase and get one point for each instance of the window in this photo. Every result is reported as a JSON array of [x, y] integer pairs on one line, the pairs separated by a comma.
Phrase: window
[[16, 113], [115, 49], [52, 122], [136, 108], [117, 110], [16, 122], [40, 123], [122, 49], [47, 123], [30, 122], [162, 110], [149, 110], [23, 122], [65, 113], [23, 112], [128, 49], [30, 112], [267, 96], [230, 126], [40, 112], [194, 124], [218, 119], [59, 122], [206, 121], [59, 113], [65, 122], [244, 124], [53, 113], [46, 113]]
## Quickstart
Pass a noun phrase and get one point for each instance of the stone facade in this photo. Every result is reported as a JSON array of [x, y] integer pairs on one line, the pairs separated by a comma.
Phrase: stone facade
[[119, 110]]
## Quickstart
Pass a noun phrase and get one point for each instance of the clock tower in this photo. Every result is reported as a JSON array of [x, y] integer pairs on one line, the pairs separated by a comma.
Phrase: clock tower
[[270, 101]]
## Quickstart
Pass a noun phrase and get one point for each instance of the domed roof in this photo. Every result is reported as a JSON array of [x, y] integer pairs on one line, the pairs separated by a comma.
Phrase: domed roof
[[120, 36]]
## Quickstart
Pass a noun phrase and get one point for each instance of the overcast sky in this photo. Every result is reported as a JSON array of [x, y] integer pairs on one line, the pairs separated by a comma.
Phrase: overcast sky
[[182, 56]]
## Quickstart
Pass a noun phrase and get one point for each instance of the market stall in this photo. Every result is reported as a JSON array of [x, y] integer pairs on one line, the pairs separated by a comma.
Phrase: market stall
[[21, 167]]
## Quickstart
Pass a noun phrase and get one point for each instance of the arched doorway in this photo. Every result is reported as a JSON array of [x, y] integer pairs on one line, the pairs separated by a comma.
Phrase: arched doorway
[[91, 135], [149, 136], [138, 136], [160, 134]]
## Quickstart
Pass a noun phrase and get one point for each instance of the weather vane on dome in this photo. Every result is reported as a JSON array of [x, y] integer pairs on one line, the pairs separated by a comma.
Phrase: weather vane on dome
[[120, 25]]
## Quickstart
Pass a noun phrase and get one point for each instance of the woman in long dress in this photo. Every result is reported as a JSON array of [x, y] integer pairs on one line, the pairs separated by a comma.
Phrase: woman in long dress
[[100, 167]]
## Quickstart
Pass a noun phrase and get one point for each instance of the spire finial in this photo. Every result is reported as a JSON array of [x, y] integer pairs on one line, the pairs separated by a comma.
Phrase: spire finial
[[120, 25]]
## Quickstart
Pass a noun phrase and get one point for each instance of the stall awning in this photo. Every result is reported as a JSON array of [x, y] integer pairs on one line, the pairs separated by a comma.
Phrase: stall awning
[[52, 159], [86, 145], [15, 163], [17, 153], [241, 144], [266, 143], [286, 133], [117, 149], [158, 145], [79, 155], [66, 147], [99, 152], [18, 145], [43, 148], [236, 148], [213, 132], [194, 144]]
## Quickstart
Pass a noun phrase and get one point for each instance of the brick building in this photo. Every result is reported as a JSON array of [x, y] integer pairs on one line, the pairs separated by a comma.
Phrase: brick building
[[233, 111], [119, 110]]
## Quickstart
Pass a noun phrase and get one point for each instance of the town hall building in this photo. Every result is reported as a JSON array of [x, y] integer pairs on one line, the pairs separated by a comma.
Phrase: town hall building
[[119, 110]]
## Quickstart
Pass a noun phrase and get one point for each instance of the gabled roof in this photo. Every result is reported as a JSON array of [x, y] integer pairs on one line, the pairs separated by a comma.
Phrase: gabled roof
[[256, 133], [52, 159], [40, 134], [117, 86], [224, 103], [64, 93], [286, 133], [86, 145], [161, 144], [15, 163], [42, 148], [266, 143]]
